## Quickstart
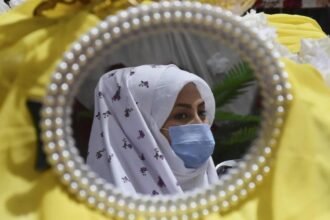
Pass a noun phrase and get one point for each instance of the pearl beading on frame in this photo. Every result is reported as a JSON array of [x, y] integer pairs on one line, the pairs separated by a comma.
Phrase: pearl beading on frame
[[146, 19]]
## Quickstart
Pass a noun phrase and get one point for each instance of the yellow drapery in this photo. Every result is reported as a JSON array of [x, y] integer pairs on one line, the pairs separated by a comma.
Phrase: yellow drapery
[[297, 188]]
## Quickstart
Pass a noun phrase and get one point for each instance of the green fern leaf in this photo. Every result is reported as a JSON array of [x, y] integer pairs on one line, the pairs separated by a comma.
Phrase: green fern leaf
[[229, 116], [233, 85]]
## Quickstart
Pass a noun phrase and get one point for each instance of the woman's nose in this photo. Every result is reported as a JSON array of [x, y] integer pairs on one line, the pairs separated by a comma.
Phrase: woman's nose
[[196, 120]]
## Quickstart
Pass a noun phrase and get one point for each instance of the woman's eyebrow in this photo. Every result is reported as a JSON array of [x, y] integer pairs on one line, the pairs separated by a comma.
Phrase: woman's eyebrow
[[183, 105]]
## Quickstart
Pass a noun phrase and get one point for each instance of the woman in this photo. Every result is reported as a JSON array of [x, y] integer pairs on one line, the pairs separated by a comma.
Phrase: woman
[[142, 114]]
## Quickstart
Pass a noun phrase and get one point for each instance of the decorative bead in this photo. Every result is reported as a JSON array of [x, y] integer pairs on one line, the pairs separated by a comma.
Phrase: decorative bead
[[198, 18], [59, 168], [54, 158], [126, 27], [65, 155], [52, 88], [266, 169], [247, 176], [112, 20], [111, 211], [177, 15], [195, 215], [215, 208], [57, 77], [66, 178], [289, 97], [101, 206], [224, 205], [50, 147], [234, 199], [77, 48], [243, 193], [267, 151], [64, 88], [104, 26], [73, 187], [69, 78], [85, 40], [90, 52], [251, 186], [82, 59], [82, 195], [156, 18]]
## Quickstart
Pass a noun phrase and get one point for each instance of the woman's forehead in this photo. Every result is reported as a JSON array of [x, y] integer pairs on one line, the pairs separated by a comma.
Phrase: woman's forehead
[[189, 94]]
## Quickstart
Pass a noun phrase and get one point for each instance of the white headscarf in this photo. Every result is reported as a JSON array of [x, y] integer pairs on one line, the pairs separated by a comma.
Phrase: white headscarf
[[126, 146]]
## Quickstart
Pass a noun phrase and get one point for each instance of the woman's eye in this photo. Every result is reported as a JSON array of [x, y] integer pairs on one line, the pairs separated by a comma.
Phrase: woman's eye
[[181, 116], [202, 113]]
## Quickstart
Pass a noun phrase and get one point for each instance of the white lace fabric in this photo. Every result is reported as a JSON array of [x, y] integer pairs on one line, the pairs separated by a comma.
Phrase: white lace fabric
[[315, 52]]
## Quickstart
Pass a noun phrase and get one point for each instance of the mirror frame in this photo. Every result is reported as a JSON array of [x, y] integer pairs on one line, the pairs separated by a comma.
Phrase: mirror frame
[[232, 188]]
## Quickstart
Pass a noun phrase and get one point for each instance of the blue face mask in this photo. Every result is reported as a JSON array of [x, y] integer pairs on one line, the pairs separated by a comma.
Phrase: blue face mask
[[193, 143]]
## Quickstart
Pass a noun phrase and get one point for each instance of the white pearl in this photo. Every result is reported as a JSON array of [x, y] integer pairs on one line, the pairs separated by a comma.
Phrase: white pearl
[[146, 20], [112, 20], [156, 18], [64, 88], [267, 151], [177, 15], [65, 155], [101, 206], [66, 178], [98, 44], [104, 26], [77, 48], [82, 194], [228, 27], [75, 68], [215, 208], [251, 186], [166, 16], [243, 193], [195, 215], [183, 207], [94, 33], [224, 205], [54, 158], [59, 168], [111, 211], [208, 19], [133, 12], [126, 27], [91, 201], [198, 18], [73, 187], [90, 52], [234, 199], [107, 37], [59, 133], [247, 176], [82, 59], [85, 40], [123, 15], [49, 147], [289, 97]]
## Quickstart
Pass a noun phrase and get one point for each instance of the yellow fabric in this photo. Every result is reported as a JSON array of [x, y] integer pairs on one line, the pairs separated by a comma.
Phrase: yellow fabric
[[292, 28], [297, 188], [29, 50]]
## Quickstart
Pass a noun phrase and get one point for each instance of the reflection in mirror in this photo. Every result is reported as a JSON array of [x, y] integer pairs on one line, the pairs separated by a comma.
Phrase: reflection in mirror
[[135, 120]]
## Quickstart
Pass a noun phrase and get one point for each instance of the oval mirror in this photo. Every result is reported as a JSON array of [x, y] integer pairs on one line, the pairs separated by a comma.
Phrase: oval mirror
[[100, 70]]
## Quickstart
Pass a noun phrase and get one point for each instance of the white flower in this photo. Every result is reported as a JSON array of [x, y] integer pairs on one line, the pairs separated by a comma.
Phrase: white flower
[[317, 53]]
